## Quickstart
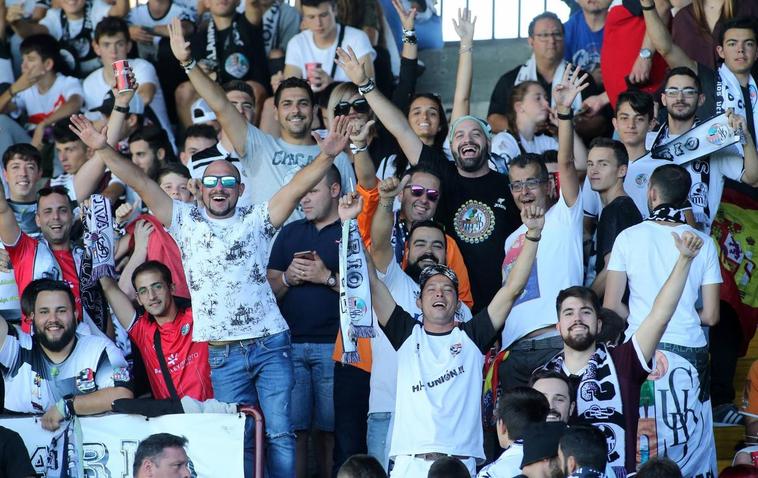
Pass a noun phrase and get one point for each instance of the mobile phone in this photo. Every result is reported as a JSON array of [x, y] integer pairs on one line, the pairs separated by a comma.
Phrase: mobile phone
[[308, 255]]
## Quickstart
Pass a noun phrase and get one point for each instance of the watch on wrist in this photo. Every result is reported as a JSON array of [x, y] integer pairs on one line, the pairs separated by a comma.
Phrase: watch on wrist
[[646, 53], [332, 280], [121, 109]]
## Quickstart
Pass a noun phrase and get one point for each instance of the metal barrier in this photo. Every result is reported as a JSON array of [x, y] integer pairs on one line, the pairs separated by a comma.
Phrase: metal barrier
[[260, 437]]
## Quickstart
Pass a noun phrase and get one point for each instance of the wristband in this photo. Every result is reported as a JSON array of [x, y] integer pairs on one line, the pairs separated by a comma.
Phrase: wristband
[[648, 7], [533, 239], [409, 33], [566, 116], [70, 408], [189, 65], [465, 49], [121, 109], [358, 149], [367, 87], [411, 40], [284, 280]]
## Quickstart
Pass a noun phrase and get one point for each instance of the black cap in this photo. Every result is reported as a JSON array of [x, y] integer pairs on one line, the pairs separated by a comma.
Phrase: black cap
[[541, 441]]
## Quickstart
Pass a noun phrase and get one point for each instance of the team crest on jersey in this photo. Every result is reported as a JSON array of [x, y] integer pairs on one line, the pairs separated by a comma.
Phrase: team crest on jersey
[[455, 349], [640, 180], [120, 374], [474, 222], [85, 381], [699, 194], [185, 329]]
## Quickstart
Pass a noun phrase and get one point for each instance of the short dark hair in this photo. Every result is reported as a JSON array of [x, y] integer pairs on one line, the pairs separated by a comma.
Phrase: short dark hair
[[58, 189], [294, 82], [641, 102], [525, 160], [683, 71], [315, 3], [62, 132], [421, 168], [173, 168], [519, 408], [613, 326], [111, 26], [202, 130], [156, 138], [32, 290], [544, 374], [583, 293], [26, 150], [673, 183], [152, 266], [659, 467], [239, 85], [46, 46], [333, 175], [587, 445], [742, 23], [739, 471], [544, 16], [618, 148], [361, 466], [151, 448], [428, 223], [448, 467]]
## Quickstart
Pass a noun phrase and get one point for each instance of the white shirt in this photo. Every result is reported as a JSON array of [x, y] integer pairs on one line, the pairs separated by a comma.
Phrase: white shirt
[[52, 19], [66, 180], [302, 49], [559, 265], [646, 252], [225, 263], [507, 465], [505, 145], [95, 89], [39, 106]]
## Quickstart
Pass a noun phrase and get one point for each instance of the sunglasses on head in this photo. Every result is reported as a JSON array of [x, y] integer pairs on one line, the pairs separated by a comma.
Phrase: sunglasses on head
[[343, 107], [226, 181], [418, 191]]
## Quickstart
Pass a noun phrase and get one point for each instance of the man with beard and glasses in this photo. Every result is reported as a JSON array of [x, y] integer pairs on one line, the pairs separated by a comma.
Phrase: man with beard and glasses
[[225, 251], [641, 258], [427, 246], [583, 452], [607, 380], [58, 372], [529, 333], [557, 389]]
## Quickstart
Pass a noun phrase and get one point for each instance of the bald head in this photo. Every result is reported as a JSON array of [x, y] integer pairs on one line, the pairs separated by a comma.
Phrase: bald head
[[221, 187]]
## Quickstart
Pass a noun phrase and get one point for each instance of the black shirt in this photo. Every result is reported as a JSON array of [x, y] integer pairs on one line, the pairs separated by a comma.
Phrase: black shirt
[[615, 217], [479, 213], [14, 459]]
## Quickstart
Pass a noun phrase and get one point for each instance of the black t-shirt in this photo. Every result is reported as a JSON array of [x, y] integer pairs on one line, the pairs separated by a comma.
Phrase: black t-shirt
[[14, 459], [243, 58], [400, 326], [501, 95], [615, 217], [707, 78], [479, 213]]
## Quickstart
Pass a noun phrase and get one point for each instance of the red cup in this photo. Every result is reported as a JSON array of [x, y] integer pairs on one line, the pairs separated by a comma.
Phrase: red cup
[[121, 71], [309, 68]]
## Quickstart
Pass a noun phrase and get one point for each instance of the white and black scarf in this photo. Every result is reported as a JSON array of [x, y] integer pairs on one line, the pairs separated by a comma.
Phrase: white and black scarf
[[668, 213], [216, 51], [271, 27], [729, 95]]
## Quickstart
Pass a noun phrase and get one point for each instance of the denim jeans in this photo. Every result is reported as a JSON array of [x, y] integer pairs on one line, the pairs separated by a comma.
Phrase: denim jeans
[[351, 390], [259, 372], [313, 394], [378, 437]]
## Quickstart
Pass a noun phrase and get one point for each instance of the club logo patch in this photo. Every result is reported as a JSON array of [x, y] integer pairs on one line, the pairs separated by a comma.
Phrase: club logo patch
[[185, 329], [455, 349], [474, 222], [718, 134], [85, 381]]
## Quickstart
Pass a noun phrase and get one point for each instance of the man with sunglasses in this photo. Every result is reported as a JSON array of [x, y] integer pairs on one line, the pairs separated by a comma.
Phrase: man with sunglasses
[[225, 252]]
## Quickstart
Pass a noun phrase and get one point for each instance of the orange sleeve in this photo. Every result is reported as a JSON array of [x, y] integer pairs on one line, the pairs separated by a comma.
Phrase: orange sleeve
[[370, 203], [364, 351], [455, 262], [751, 390]]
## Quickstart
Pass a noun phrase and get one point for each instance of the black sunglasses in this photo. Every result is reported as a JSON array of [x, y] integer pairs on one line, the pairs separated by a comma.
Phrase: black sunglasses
[[343, 107]]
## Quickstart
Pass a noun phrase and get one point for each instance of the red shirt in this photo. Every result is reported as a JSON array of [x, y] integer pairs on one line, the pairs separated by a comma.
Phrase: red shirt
[[22, 257], [187, 361]]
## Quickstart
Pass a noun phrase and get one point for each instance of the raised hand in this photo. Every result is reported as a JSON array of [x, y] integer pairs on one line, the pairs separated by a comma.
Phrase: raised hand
[[353, 68], [351, 204], [179, 46], [124, 211], [389, 188], [407, 17], [464, 27], [533, 218], [337, 139], [689, 244], [86, 131], [142, 231], [359, 133], [571, 85], [124, 97]]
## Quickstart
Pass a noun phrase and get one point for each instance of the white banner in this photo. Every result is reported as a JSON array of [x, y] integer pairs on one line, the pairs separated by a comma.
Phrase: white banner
[[215, 442]]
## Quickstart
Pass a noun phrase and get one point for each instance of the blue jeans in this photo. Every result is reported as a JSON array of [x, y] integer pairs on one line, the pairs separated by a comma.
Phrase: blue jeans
[[259, 372], [378, 437], [313, 394]]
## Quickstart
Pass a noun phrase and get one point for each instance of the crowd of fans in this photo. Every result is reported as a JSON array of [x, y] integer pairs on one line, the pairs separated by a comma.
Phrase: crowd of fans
[[545, 291]]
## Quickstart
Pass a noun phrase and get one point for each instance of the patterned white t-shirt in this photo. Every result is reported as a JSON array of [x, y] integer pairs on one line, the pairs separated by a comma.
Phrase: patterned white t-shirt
[[225, 263]]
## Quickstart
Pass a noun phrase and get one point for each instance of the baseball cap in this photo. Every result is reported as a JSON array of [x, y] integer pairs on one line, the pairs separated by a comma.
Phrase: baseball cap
[[437, 269], [135, 105], [541, 441], [201, 112]]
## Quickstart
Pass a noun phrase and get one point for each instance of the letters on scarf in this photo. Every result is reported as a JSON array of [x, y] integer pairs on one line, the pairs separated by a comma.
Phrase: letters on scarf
[[236, 63], [729, 94], [356, 313], [99, 237], [528, 72]]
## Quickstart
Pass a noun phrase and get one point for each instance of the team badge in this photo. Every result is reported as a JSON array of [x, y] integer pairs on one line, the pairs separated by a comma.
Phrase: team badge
[[237, 65], [640, 180], [455, 349], [85, 381], [717, 134], [699, 194], [120, 374], [185, 329], [474, 222]]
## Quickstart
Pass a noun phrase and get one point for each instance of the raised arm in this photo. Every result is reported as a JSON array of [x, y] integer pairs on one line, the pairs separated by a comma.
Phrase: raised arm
[[142, 231], [464, 27], [406, 84], [750, 161], [381, 299], [365, 171], [161, 205], [652, 328], [120, 304], [381, 226], [285, 200], [534, 220], [564, 93], [661, 39], [231, 121], [9, 230], [392, 118]]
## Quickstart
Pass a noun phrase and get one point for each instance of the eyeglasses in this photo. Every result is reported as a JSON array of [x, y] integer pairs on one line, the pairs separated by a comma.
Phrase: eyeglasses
[[673, 92], [157, 287], [343, 107], [226, 181], [530, 184], [547, 36], [418, 191]]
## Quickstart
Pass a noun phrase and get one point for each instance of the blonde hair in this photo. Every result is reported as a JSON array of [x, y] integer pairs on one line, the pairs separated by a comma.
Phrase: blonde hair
[[343, 91]]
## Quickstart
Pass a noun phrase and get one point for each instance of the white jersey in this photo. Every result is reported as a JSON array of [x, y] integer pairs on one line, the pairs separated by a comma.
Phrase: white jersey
[[39, 106]]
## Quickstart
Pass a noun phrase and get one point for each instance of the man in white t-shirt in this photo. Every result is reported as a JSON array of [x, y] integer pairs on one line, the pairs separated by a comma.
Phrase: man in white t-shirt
[[530, 331], [225, 253], [41, 92], [311, 53], [641, 257], [112, 43], [437, 410]]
